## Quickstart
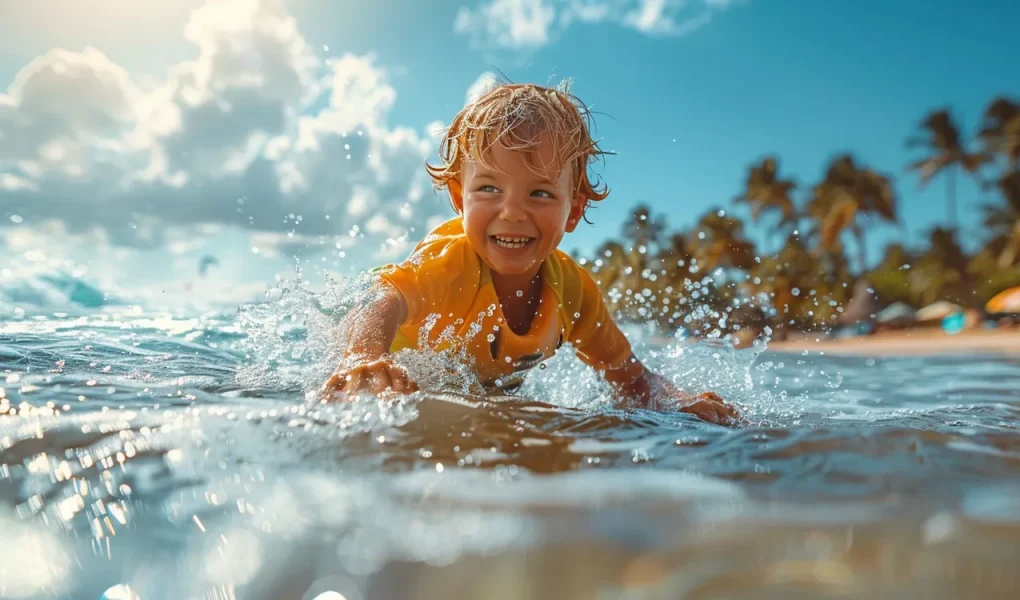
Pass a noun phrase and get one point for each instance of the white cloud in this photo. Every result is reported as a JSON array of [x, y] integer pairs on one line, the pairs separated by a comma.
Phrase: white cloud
[[485, 83], [229, 138], [516, 24], [13, 183], [522, 25], [65, 116]]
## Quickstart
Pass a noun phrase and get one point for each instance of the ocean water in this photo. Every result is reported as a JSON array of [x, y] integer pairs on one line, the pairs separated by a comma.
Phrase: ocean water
[[172, 455]]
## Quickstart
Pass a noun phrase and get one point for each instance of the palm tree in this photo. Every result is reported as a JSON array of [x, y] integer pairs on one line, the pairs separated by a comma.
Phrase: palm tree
[[677, 260], [1004, 222], [642, 228], [718, 241], [942, 246], [781, 278], [891, 278], [845, 197], [1000, 131], [941, 138], [799, 287], [625, 269], [609, 263], [765, 192], [676, 273], [941, 272]]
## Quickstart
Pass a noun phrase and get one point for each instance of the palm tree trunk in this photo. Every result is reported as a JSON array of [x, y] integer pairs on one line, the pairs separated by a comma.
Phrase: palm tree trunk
[[1012, 249], [951, 196], [862, 259]]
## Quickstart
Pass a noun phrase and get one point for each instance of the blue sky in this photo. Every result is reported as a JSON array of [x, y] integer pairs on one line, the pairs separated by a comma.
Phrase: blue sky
[[691, 96]]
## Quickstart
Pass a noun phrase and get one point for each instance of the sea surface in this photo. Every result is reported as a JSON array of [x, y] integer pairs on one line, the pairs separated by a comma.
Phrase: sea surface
[[181, 454]]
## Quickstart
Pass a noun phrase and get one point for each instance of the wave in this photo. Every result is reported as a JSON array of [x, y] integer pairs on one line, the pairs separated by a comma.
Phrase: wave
[[29, 292]]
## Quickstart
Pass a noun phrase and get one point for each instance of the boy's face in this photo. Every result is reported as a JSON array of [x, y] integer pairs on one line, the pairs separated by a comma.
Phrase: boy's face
[[513, 216]]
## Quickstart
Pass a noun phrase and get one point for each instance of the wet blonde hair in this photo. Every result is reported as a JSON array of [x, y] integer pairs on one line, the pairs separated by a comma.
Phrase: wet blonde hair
[[518, 115]]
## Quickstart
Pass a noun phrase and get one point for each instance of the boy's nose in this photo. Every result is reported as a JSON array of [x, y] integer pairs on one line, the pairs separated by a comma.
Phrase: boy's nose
[[513, 208]]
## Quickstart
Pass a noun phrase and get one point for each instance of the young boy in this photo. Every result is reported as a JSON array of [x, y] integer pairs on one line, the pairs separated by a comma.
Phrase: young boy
[[491, 281]]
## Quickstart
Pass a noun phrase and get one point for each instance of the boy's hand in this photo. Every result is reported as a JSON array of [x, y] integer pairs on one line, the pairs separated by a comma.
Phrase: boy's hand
[[656, 392], [377, 376], [709, 406]]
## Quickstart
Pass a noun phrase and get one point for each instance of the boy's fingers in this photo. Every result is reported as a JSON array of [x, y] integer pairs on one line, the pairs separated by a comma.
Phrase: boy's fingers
[[381, 380], [333, 386], [353, 381], [723, 413], [732, 417], [717, 408], [707, 410], [401, 380], [379, 377], [409, 384], [398, 379]]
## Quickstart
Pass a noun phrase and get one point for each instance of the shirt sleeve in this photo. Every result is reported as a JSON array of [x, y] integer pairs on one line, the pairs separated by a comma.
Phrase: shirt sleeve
[[598, 340], [433, 279]]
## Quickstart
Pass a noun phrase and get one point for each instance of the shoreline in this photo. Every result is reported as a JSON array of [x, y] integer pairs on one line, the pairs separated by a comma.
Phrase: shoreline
[[910, 342]]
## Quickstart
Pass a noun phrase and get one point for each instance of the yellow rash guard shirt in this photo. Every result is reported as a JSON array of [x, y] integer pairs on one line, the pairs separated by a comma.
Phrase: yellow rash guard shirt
[[451, 303]]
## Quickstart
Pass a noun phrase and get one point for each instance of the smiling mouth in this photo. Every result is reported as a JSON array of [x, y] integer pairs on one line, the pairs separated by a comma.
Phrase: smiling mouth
[[511, 242]]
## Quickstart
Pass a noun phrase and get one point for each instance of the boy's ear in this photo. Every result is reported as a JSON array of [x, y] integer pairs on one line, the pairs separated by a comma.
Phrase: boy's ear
[[456, 194], [576, 212]]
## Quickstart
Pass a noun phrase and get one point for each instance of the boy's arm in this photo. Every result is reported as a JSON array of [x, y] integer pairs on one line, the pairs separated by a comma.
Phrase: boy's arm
[[650, 390], [601, 344], [372, 328], [366, 363]]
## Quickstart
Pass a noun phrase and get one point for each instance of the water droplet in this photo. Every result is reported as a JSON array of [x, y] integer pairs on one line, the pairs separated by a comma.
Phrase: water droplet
[[520, 293]]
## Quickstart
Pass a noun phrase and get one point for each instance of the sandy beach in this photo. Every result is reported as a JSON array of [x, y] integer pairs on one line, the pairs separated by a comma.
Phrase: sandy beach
[[914, 342]]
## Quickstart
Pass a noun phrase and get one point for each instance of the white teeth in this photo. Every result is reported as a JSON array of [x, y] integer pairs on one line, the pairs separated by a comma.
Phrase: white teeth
[[511, 242]]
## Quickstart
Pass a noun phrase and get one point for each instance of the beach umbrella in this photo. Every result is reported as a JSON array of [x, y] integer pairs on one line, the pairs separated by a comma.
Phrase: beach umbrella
[[1005, 302], [897, 311], [938, 311]]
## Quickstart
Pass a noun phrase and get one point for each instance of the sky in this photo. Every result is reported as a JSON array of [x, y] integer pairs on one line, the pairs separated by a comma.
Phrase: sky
[[138, 137]]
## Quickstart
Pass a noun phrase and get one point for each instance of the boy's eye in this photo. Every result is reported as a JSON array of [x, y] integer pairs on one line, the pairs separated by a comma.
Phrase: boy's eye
[[489, 189], [541, 194]]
